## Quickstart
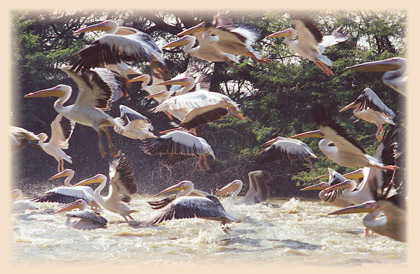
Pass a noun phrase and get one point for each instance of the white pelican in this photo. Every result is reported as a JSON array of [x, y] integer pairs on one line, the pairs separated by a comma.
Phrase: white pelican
[[177, 145], [122, 187], [370, 108], [310, 43], [334, 197], [204, 50], [61, 131], [134, 125], [385, 153], [228, 37], [285, 149], [88, 219], [20, 137], [119, 44], [199, 107], [387, 215], [396, 75], [337, 145], [204, 206], [67, 193], [257, 191], [98, 88], [19, 205]]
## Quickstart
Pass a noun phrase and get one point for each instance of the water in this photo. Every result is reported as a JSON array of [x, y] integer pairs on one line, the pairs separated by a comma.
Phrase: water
[[279, 232]]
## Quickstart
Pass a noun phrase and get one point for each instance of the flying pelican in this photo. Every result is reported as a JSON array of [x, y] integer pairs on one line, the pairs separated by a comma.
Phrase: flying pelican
[[387, 215], [61, 131], [257, 192], [370, 108], [98, 88], [204, 206], [19, 205], [228, 37], [396, 75], [310, 43], [204, 50], [134, 125], [122, 187], [285, 149], [88, 219], [335, 197], [67, 193], [386, 153], [119, 44], [200, 106], [177, 145], [337, 145], [20, 137]]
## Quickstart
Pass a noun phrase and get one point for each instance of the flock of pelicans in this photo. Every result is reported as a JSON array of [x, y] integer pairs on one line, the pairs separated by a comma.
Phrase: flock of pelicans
[[101, 73]]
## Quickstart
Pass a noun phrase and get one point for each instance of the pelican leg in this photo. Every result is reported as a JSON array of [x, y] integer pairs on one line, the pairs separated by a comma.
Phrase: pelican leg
[[262, 60], [110, 145], [169, 115], [199, 162], [232, 110], [379, 133], [324, 67], [206, 165], [193, 131], [61, 165], [101, 149]]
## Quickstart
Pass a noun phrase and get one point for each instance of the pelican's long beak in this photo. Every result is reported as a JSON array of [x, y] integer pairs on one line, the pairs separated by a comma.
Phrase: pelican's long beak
[[354, 175], [313, 133], [320, 186], [56, 91], [227, 189], [160, 94], [283, 33], [192, 30], [270, 142], [100, 26], [140, 78], [95, 179], [177, 43], [342, 185], [179, 186], [70, 206], [349, 106], [180, 81], [64, 173], [378, 66], [366, 207]]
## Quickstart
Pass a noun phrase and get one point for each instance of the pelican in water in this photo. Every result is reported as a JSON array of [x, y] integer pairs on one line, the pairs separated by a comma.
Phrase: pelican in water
[[61, 131], [183, 206], [395, 75], [134, 125], [18, 204], [337, 145], [122, 187], [67, 193], [386, 213], [178, 145], [257, 192], [98, 89], [335, 197], [370, 108], [119, 44], [285, 149], [310, 43], [228, 37], [20, 137], [87, 219]]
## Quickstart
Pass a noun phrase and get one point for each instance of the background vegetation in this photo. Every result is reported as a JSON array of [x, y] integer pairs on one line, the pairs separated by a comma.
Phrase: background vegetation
[[275, 97]]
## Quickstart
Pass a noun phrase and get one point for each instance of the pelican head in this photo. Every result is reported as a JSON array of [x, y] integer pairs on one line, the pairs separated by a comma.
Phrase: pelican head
[[198, 28], [80, 203], [313, 133], [229, 188], [284, 33], [57, 91], [180, 42], [107, 25], [64, 173], [141, 78], [183, 186], [366, 207], [98, 178], [42, 137]]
